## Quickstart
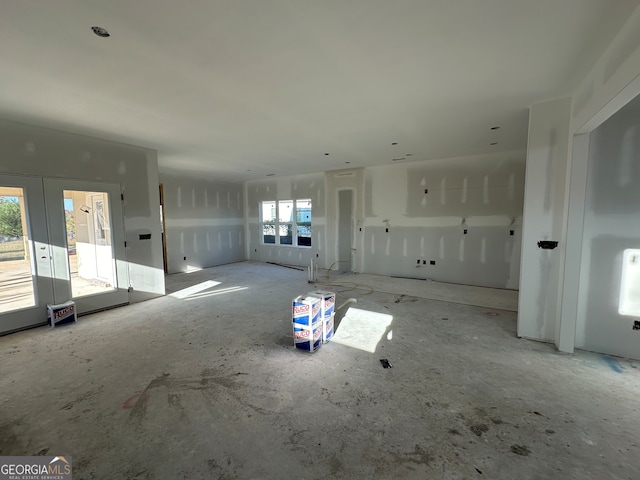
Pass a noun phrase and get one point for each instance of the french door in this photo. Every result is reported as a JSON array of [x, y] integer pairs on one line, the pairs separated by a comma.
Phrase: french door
[[60, 240]]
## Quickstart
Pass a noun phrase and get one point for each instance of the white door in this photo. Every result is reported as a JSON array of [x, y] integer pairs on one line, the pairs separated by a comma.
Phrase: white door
[[60, 240], [86, 227], [26, 273]]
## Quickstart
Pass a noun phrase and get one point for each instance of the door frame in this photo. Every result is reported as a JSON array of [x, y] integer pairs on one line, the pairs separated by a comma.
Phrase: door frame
[[53, 189], [36, 223]]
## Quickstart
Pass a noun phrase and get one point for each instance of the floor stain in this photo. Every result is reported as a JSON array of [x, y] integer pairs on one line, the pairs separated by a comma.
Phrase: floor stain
[[419, 456], [81, 398], [520, 450], [130, 402], [209, 380], [479, 429], [613, 364], [335, 465]]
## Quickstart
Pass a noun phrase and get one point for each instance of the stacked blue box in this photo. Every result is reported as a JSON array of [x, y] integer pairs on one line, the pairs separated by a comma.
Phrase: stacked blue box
[[327, 312], [307, 323]]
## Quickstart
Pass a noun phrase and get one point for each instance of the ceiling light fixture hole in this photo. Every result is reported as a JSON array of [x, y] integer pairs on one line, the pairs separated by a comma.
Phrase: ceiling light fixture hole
[[394, 143], [101, 32], [495, 128]]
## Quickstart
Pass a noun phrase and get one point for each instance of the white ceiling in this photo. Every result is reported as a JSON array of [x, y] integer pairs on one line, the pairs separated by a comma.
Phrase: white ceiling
[[243, 88]]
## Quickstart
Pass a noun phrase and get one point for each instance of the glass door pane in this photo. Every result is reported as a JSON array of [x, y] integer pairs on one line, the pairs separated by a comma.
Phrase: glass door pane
[[86, 231], [26, 271], [89, 242], [16, 272]]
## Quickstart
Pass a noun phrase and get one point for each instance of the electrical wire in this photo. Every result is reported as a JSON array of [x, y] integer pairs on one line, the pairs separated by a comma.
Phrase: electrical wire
[[344, 286]]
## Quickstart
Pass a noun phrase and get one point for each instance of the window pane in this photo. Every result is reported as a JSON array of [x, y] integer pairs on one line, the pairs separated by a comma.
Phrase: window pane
[[286, 237], [268, 211], [285, 210], [268, 233], [303, 211], [16, 275], [90, 252], [304, 235]]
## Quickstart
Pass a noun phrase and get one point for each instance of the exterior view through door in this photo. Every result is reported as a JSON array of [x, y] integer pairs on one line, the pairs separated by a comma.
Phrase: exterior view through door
[[89, 244]]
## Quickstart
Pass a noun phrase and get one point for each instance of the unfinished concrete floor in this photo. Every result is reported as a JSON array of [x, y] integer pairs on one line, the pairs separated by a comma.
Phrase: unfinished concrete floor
[[209, 386]]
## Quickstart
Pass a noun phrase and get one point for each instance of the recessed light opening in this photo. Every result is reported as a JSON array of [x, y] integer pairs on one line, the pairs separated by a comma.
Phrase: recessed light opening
[[495, 128], [270, 174], [327, 154], [493, 143], [394, 143], [101, 32]]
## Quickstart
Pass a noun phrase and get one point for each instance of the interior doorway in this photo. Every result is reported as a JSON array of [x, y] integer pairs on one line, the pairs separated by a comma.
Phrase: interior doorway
[[345, 230]]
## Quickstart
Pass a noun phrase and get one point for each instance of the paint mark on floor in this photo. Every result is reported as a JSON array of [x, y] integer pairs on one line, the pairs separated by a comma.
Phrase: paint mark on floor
[[613, 363], [130, 402]]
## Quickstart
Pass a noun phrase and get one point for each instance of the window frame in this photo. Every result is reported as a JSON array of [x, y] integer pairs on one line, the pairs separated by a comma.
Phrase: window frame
[[277, 223]]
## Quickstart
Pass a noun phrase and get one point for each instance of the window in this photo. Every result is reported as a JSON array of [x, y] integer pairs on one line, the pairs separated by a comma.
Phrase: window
[[286, 222]]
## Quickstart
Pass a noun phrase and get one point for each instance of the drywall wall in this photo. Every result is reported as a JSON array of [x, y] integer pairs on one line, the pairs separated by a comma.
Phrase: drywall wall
[[599, 95], [286, 188], [30, 150], [544, 217], [484, 192], [549, 294], [204, 222], [572, 244], [464, 214], [611, 226]]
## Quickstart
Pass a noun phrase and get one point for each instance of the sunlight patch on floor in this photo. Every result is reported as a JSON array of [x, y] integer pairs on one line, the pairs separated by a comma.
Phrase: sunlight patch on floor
[[189, 291], [362, 329]]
